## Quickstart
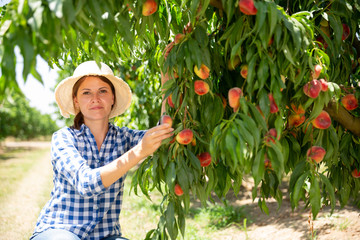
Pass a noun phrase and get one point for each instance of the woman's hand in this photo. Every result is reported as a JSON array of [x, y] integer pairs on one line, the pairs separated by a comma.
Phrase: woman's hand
[[153, 138]]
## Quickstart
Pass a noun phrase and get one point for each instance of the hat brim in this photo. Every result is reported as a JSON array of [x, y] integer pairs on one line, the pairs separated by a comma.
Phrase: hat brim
[[64, 99]]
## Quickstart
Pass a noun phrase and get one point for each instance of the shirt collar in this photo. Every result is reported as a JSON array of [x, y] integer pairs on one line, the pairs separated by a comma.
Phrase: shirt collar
[[84, 128]]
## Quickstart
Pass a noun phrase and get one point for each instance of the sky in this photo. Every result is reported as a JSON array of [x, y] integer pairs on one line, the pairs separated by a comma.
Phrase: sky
[[3, 2], [40, 96]]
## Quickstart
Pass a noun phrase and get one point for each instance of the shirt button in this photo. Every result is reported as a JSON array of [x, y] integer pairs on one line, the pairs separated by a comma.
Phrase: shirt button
[[96, 207]]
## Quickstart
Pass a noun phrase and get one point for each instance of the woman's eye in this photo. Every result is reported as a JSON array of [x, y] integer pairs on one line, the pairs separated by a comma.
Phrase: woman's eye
[[86, 93], [103, 91]]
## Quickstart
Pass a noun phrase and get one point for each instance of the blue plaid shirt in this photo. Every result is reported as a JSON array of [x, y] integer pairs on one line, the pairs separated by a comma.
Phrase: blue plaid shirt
[[79, 201]]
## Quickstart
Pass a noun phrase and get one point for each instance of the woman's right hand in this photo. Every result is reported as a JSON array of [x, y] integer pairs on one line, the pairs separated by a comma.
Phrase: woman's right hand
[[153, 138]]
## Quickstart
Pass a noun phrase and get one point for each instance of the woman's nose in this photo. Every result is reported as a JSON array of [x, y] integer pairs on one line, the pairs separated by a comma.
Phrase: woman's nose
[[95, 97]]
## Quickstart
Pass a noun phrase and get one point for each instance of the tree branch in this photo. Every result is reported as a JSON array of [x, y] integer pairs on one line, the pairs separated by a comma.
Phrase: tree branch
[[342, 116]]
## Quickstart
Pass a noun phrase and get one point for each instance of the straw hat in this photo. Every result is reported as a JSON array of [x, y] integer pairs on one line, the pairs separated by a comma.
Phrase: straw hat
[[63, 92]]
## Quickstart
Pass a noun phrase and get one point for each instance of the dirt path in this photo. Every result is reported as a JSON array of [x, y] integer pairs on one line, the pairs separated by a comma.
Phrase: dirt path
[[285, 224], [21, 208]]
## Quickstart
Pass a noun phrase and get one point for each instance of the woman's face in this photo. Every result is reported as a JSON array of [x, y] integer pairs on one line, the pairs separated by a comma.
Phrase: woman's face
[[94, 99]]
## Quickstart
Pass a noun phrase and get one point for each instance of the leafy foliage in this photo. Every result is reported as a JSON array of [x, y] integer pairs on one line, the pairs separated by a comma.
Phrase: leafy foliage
[[19, 120], [281, 46]]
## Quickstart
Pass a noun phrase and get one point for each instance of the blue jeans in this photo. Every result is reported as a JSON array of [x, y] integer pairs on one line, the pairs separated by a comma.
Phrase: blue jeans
[[60, 234]]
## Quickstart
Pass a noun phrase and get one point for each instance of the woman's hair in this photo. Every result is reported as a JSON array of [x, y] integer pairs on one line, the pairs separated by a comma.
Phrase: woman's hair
[[79, 117]]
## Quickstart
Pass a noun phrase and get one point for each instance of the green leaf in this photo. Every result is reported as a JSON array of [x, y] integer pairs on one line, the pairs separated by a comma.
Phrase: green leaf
[[258, 168], [330, 189], [170, 175], [315, 196], [193, 159], [201, 36], [296, 173], [170, 220], [296, 194]]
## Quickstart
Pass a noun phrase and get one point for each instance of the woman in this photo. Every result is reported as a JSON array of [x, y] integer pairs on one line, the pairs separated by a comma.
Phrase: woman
[[90, 159]]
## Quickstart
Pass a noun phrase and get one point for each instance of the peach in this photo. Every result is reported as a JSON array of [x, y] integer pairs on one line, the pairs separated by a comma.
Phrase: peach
[[185, 136], [179, 38], [233, 64], [316, 153], [298, 109], [346, 32], [312, 89], [193, 142], [247, 7], [178, 190], [324, 85], [170, 102], [234, 95], [201, 87], [205, 159], [149, 7], [349, 102], [273, 107], [267, 162], [323, 121], [168, 49], [296, 120], [270, 136], [321, 40], [203, 72], [244, 71], [166, 119], [355, 173], [317, 71]]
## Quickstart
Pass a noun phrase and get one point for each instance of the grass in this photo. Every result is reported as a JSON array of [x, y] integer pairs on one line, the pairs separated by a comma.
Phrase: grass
[[14, 165], [139, 215]]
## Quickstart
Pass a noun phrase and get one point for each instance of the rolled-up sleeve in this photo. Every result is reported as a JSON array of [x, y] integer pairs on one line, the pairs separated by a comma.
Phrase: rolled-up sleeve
[[69, 165], [134, 136]]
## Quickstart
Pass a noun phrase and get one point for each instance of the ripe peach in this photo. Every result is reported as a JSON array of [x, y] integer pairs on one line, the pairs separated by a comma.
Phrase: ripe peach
[[149, 7], [296, 120], [346, 32], [193, 142], [168, 49], [179, 38], [324, 85], [271, 135], [321, 40], [201, 87], [185, 136], [267, 162], [312, 89], [273, 107], [316, 153], [203, 72], [317, 71], [323, 121], [170, 102], [205, 159], [349, 102], [232, 65], [297, 109], [178, 190], [166, 119], [234, 95], [355, 173], [244, 71], [247, 7]]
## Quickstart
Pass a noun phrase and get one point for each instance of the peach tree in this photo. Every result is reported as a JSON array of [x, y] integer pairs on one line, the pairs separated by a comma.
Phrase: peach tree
[[262, 89]]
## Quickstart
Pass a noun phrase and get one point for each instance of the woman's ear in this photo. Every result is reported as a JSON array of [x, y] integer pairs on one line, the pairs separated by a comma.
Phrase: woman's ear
[[76, 102]]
